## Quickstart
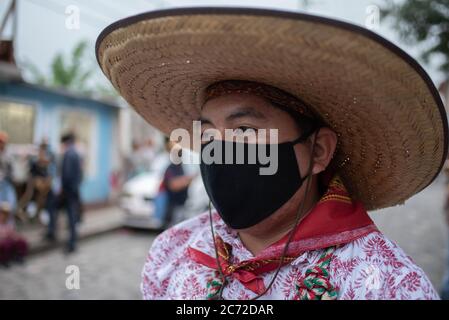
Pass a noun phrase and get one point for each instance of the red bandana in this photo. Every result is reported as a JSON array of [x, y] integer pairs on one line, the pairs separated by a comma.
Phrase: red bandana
[[335, 220]]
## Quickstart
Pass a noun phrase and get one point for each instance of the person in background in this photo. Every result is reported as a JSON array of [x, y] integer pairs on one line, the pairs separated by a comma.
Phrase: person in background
[[42, 173], [71, 177], [5, 160], [133, 161], [7, 192], [148, 154], [20, 166], [13, 247], [175, 183]]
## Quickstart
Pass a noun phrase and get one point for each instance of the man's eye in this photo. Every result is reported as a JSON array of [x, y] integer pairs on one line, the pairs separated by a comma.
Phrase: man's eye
[[243, 129], [206, 136]]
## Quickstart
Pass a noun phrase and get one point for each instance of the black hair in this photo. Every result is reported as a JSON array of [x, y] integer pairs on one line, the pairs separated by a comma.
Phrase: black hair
[[68, 138], [306, 124]]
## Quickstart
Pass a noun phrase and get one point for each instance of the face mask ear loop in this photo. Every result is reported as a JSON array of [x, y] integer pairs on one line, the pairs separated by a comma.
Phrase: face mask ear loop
[[297, 220], [219, 294], [303, 137]]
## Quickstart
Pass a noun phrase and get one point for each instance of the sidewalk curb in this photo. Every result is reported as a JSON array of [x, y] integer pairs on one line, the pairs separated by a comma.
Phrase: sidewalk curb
[[96, 223], [45, 246]]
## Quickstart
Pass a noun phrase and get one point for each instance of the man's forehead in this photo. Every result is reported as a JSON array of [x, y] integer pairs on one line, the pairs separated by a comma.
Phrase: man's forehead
[[234, 113], [243, 104]]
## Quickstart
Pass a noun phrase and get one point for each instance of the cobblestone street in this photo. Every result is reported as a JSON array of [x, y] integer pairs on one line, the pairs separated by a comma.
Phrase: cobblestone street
[[420, 229], [110, 265]]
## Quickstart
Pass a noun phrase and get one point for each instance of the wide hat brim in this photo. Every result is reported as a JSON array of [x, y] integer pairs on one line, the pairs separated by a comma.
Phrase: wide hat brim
[[388, 115]]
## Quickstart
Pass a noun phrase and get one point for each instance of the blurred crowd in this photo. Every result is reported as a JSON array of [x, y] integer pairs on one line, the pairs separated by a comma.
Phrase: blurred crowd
[[36, 186], [33, 189], [140, 159], [163, 186]]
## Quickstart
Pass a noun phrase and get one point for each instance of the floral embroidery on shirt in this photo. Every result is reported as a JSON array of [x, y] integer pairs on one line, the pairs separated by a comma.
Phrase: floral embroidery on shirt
[[370, 267]]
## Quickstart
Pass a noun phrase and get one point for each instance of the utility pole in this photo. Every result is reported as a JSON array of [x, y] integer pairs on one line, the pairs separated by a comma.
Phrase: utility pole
[[10, 12], [7, 46]]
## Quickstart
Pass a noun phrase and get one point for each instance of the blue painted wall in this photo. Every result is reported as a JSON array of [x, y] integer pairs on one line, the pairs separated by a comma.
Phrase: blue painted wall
[[49, 105]]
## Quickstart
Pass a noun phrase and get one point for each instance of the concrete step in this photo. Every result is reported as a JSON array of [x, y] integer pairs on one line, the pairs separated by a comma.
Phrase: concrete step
[[95, 222]]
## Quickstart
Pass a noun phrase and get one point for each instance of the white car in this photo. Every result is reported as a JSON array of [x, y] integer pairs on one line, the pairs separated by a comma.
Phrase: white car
[[138, 194]]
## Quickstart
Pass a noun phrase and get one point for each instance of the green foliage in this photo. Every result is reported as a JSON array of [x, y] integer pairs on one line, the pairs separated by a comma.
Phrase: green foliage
[[422, 21], [69, 73]]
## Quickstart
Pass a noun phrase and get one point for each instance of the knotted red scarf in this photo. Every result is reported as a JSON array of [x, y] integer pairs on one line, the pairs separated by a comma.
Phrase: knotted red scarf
[[334, 220]]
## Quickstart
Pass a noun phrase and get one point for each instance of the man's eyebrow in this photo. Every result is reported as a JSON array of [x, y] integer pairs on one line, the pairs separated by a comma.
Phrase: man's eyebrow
[[204, 120], [240, 113], [246, 112]]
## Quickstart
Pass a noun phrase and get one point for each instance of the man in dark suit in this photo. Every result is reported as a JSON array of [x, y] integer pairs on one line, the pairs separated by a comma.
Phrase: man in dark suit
[[71, 177]]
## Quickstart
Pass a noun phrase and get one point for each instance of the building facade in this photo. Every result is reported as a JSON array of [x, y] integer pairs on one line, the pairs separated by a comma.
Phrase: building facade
[[31, 114]]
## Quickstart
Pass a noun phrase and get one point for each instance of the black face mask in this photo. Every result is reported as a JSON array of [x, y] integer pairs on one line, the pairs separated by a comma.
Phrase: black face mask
[[242, 196]]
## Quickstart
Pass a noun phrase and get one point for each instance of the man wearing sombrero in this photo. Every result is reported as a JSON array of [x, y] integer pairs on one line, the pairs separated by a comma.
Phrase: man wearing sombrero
[[360, 127]]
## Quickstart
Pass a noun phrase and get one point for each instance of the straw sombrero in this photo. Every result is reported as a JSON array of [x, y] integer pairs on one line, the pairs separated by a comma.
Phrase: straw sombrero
[[386, 111]]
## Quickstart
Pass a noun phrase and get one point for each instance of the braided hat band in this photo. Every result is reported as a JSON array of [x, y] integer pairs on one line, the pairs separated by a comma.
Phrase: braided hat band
[[270, 93]]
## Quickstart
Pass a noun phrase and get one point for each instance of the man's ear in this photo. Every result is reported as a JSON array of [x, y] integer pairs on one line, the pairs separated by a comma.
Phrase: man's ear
[[325, 145]]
